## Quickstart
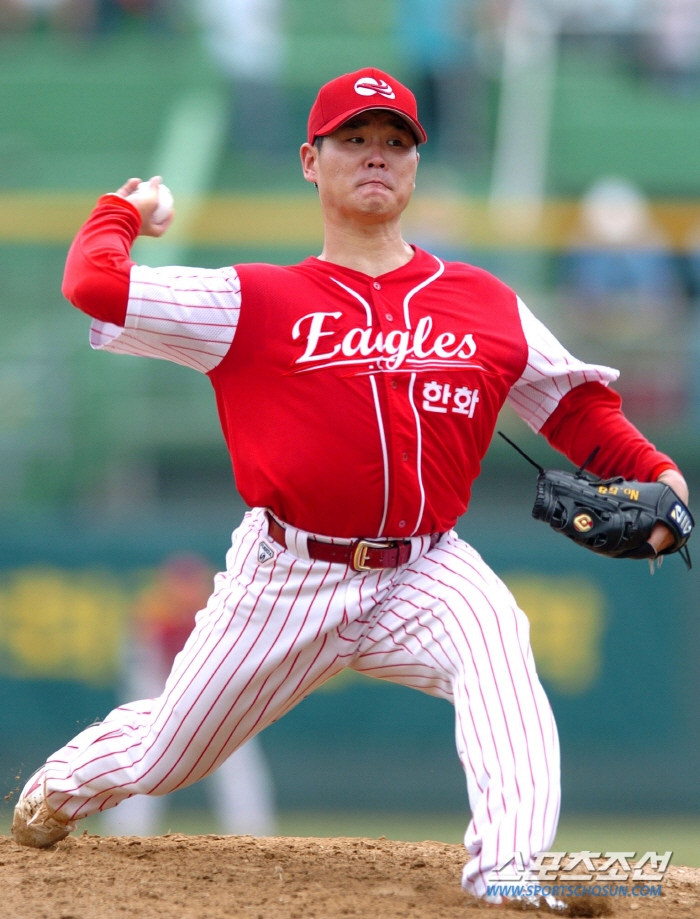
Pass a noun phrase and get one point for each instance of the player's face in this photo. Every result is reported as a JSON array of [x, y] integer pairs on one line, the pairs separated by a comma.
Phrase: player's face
[[366, 169]]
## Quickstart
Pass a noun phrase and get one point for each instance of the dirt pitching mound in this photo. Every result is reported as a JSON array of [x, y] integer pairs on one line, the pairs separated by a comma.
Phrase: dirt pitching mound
[[221, 877]]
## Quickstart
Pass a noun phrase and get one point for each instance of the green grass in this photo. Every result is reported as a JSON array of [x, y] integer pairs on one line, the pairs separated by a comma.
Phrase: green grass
[[595, 833]]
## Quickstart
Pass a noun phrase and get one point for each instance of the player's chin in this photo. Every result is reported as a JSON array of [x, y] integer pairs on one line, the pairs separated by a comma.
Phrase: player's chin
[[380, 202]]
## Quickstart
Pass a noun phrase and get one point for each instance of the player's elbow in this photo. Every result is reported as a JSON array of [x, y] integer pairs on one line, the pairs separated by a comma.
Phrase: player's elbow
[[69, 288], [100, 294], [79, 289], [75, 276]]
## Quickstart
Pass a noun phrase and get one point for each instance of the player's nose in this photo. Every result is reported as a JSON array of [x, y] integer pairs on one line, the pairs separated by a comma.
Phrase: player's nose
[[375, 159]]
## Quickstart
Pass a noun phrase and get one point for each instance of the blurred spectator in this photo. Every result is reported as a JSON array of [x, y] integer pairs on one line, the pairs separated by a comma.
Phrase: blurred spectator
[[110, 15], [241, 789], [693, 338], [491, 20], [73, 15], [620, 266], [598, 15], [245, 38], [81, 16], [438, 43], [693, 262], [625, 290], [673, 51]]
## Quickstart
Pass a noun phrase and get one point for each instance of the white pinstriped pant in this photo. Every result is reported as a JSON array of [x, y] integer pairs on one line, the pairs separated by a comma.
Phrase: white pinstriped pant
[[273, 632]]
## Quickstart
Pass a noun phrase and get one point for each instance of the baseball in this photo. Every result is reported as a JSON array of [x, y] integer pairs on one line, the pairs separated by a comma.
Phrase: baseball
[[165, 201]]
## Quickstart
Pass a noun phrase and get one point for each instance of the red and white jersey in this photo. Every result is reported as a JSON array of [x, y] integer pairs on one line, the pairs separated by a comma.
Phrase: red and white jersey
[[351, 405]]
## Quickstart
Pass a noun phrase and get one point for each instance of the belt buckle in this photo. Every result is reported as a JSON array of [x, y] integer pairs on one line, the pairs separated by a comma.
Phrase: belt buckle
[[359, 556]]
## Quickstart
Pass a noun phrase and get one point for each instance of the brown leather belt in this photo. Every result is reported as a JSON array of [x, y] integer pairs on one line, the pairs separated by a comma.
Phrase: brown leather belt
[[360, 554]]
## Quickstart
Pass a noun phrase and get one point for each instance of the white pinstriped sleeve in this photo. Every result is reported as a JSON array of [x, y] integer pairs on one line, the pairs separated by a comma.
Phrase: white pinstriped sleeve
[[185, 315], [550, 373]]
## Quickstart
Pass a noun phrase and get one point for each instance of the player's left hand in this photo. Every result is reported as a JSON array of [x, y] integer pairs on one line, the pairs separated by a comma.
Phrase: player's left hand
[[661, 536], [146, 205], [617, 517]]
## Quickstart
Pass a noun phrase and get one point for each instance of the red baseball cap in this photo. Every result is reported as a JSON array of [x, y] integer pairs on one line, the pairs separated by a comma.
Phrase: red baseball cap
[[360, 91]]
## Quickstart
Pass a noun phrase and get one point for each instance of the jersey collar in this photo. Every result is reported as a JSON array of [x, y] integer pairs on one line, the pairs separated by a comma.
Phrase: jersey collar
[[420, 263]]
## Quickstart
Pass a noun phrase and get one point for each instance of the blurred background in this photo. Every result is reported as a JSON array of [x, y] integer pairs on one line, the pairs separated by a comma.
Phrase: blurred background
[[563, 156]]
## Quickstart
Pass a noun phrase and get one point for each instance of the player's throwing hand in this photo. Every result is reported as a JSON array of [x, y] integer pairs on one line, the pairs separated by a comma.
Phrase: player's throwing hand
[[151, 199]]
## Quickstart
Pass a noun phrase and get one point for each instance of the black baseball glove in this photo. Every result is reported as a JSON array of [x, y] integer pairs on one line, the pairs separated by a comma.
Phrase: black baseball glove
[[614, 517]]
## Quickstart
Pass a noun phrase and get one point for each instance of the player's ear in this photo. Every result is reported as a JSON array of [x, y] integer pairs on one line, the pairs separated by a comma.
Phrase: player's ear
[[309, 159]]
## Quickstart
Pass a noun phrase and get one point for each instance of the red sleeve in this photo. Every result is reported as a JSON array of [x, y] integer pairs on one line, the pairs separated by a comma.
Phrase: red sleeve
[[96, 279], [589, 416]]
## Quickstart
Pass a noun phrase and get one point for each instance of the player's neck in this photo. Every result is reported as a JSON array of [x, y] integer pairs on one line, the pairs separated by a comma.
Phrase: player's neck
[[373, 250]]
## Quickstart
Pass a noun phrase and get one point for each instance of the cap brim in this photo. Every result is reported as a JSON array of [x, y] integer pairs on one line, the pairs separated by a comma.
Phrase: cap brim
[[328, 128]]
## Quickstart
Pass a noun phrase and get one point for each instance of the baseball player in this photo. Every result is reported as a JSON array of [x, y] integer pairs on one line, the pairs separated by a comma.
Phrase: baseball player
[[358, 392]]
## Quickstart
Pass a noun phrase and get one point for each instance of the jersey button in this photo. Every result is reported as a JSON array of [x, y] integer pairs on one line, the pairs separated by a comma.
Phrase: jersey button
[[394, 384], [389, 317], [402, 524], [405, 457], [377, 285]]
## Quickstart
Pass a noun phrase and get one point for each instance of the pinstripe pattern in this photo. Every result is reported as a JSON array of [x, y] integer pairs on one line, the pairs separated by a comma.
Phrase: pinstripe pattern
[[185, 315], [273, 632], [551, 372], [451, 627]]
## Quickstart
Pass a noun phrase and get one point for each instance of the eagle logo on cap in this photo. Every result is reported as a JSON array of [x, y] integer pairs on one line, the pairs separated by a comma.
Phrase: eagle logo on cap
[[368, 86]]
